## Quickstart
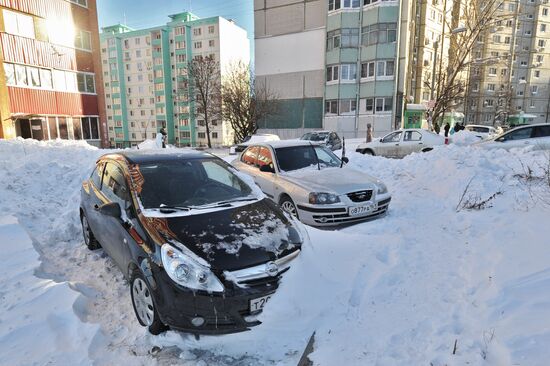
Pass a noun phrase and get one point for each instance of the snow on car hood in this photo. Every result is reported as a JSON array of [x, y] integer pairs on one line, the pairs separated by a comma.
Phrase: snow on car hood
[[337, 180]]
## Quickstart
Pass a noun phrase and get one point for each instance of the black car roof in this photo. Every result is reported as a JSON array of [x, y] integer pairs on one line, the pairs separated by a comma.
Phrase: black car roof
[[152, 156]]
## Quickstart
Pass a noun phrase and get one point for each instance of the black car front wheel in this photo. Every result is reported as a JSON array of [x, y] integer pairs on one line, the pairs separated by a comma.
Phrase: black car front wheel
[[144, 305], [89, 238]]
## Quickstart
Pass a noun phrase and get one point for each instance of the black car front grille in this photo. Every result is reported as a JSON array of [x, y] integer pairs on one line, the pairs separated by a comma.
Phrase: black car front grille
[[360, 196]]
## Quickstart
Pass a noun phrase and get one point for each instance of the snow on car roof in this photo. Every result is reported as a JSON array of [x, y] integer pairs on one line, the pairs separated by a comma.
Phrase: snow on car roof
[[145, 156]]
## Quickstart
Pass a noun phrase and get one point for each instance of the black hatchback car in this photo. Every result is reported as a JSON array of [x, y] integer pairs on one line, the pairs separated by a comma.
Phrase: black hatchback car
[[202, 249]]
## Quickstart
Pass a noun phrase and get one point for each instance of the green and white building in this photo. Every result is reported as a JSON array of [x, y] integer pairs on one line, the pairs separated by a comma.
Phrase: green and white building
[[146, 86], [374, 57]]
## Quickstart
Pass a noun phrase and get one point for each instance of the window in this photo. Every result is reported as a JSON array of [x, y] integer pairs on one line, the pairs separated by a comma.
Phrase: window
[[331, 107], [542, 43], [83, 3], [18, 24], [537, 73], [491, 87], [545, 11], [114, 185], [392, 137], [21, 75], [367, 69], [33, 76], [343, 4], [211, 29], [197, 31], [412, 136], [180, 45], [489, 102], [201, 135], [86, 83], [211, 43], [179, 31], [369, 104], [379, 33], [347, 106], [198, 44], [83, 40], [90, 128], [332, 73], [348, 72], [534, 89], [385, 68], [138, 53], [383, 104], [493, 71], [543, 27]]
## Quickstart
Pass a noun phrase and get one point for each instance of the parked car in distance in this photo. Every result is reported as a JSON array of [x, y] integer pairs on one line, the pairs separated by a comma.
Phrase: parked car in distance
[[307, 181], [202, 249], [535, 135], [402, 142], [483, 132], [329, 139], [260, 137]]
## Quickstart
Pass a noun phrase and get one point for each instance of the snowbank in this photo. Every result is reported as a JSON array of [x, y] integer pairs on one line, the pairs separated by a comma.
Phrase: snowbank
[[39, 324], [464, 137], [401, 290]]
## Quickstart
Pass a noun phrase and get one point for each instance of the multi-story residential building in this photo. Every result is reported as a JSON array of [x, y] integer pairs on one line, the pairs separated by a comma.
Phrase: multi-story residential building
[[49, 79], [510, 73], [289, 57], [373, 54], [146, 85]]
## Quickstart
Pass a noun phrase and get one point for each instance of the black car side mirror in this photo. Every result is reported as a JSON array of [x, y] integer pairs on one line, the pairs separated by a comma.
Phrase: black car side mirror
[[110, 209], [345, 159], [267, 169]]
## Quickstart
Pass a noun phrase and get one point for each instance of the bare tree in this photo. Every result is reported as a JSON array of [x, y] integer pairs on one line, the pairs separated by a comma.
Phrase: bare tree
[[245, 100], [449, 83], [204, 79]]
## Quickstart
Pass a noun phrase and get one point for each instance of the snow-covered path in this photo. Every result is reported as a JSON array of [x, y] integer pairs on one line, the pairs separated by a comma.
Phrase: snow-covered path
[[398, 290]]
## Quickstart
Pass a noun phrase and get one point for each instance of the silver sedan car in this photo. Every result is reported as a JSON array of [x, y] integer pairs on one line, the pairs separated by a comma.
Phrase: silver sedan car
[[310, 182], [399, 143]]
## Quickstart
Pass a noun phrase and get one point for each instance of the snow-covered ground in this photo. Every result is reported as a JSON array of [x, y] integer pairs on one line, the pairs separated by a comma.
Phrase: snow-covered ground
[[401, 290]]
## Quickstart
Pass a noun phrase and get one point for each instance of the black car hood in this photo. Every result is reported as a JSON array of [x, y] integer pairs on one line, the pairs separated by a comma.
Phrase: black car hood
[[235, 237]]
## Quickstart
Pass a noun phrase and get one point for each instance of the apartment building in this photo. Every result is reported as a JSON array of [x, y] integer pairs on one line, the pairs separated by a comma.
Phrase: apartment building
[[510, 73], [49, 79], [376, 56], [290, 59], [146, 85]]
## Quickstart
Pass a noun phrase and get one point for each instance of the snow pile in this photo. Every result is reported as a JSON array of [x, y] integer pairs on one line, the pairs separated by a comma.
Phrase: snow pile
[[464, 137], [457, 273], [39, 324]]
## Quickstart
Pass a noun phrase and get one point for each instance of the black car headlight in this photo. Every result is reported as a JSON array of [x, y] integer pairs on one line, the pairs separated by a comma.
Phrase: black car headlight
[[322, 198], [187, 272]]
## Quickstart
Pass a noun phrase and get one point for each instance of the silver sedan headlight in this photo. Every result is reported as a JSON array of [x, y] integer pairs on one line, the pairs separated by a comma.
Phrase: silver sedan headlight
[[322, 198], [382, 188]]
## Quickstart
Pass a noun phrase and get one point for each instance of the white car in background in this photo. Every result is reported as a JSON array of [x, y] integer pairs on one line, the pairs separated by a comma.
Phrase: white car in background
[[536, 135], [260, 137], [310, 182], [399, 143], [483, 132]]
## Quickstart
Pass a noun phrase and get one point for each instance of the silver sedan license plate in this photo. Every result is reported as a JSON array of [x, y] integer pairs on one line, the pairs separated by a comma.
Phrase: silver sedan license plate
[[259, 303], [362, 210]]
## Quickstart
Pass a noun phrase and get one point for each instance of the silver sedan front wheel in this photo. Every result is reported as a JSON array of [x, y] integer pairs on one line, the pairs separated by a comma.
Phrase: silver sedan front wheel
[[288, 206]]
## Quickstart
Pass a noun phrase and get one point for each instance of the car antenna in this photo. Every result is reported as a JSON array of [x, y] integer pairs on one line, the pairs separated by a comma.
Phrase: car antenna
[[316, 157], [343, 152]]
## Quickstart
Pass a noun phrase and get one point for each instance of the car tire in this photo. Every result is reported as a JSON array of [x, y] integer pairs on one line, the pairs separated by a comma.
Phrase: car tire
[[367, 152], [144, 305], [288, 206], [89, 238]]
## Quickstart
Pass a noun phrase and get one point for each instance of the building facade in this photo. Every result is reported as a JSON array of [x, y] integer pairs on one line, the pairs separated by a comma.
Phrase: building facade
[[509, 77], [290, 59], [146, 85], [50, 74]]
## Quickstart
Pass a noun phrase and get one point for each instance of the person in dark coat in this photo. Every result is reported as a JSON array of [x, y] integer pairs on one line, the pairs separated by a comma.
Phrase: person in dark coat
[[447, 128], [436, 128]]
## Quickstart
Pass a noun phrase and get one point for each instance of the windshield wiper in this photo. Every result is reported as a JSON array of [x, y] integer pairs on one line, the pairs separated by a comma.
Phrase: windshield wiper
[[236, 200]]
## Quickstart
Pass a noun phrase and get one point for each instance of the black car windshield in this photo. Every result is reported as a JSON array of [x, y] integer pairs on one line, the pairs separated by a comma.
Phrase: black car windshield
[[299, 157], [192, 182]]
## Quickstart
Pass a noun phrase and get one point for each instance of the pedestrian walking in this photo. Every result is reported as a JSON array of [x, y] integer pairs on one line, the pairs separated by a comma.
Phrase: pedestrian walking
[[447, 128], [161, 139], [369, 132]]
